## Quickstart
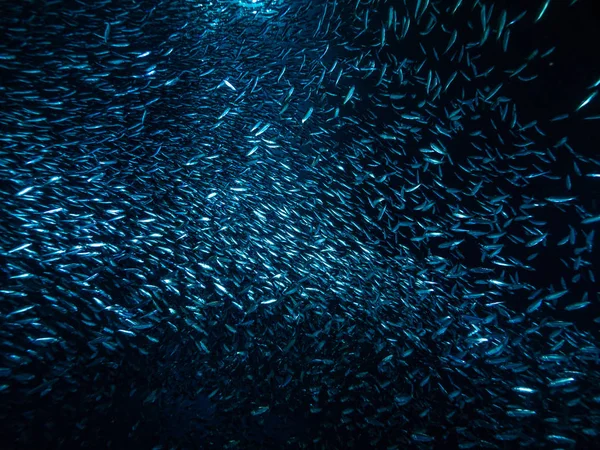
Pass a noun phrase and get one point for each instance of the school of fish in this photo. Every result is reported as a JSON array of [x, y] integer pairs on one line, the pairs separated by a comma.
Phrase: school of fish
[[240, 224]]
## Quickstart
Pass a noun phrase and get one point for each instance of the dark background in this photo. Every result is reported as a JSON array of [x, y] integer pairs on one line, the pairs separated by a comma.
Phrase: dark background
[[183, 420]]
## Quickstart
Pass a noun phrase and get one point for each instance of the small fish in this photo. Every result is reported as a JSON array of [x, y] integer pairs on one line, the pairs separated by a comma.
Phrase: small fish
[[107, 32], [542, 10], [308, 114], [587, 100], [348, 95]]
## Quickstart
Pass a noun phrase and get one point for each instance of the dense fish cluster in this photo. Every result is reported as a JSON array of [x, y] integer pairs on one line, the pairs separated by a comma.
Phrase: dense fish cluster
[[292, 224]]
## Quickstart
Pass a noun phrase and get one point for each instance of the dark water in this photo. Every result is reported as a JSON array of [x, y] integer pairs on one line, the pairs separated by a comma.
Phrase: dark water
[[299, 224]]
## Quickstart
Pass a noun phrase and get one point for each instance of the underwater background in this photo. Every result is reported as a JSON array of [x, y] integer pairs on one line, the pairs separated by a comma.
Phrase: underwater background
[[299, 224]]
